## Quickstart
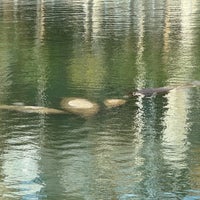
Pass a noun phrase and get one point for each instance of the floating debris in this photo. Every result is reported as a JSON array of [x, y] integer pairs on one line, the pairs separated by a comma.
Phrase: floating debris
[[32, 109], [79, 106], [111, 103]]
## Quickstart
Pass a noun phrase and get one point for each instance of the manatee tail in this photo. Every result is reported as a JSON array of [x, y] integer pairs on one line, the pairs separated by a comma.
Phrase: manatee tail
[[189, 85]]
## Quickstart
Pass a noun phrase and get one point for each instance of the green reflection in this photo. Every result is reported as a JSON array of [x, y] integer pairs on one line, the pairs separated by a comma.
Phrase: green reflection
[[146, 149]]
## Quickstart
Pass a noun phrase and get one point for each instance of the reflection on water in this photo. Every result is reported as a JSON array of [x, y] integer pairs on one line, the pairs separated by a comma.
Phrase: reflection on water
[[145, 149], [175, 134]]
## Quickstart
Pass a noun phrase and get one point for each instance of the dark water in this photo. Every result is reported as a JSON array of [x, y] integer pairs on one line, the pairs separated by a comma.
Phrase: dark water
[[147, 149]]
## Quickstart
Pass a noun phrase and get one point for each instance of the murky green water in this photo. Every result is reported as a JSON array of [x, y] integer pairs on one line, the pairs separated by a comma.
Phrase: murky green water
[[147, 149]]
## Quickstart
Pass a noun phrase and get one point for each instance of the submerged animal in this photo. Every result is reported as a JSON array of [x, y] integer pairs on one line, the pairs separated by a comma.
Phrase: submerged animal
[[152, 91], [112, 103], [160, 90], [86, 108], [79, 106], [32, 109]]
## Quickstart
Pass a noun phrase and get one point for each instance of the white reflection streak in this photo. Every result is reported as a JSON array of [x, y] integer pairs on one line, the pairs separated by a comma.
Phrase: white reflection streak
[[184, 59], [87, 19], [42, 72], [20, 168], [175, 134], [167, 30], [96, 17], [140, 62], [40, 21], [140, 44], [92, 18], [187, 6], [139, 120], [187, 9]]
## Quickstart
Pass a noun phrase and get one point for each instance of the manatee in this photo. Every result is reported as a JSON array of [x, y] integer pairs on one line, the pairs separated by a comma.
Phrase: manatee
[[32, 109], [160, 90], [152, 91], [79, 106], [111, 103], [196, 83]]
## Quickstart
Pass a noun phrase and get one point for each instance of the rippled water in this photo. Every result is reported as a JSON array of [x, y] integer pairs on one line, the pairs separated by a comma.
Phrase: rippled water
[[146, 149]]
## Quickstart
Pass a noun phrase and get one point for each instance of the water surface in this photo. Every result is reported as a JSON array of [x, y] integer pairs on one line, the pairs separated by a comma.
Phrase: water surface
[[145, 149]]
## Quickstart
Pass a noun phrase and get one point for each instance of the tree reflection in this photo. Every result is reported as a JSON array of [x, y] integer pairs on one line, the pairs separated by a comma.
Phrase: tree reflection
[[97, 49]]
